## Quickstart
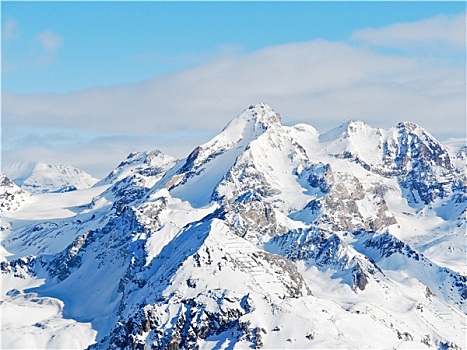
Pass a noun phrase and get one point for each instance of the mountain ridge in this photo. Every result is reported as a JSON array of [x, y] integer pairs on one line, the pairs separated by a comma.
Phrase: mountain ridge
[[265, 236]]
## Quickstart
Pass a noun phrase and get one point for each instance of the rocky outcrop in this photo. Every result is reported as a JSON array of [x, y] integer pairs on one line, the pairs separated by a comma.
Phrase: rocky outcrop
[[12, 197]]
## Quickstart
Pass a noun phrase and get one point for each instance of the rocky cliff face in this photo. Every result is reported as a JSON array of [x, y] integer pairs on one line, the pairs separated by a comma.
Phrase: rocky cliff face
[[265, 236]]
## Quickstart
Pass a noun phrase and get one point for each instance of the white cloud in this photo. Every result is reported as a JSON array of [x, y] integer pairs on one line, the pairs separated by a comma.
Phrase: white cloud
[[447, 31], [293, 78], [221, 52], [97, 155], [319, 82], [207, 96], [49, 40], [50, 44], [10, 29], [41, 52]]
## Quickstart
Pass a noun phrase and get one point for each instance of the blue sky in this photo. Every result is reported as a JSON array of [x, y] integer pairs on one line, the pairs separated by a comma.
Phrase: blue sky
[[77, 75], [102, 43]]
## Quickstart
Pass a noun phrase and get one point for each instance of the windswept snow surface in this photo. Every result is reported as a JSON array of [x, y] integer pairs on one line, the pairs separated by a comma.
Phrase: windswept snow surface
[[267, 236]]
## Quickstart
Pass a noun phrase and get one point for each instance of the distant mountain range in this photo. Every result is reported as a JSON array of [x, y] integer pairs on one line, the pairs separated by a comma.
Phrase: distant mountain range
[[46, 178], [267, 236]]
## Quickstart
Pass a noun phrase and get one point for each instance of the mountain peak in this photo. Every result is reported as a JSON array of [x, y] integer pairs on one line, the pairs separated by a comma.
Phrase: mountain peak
[[264, 114], [251, 123], [145, 163], [409, 126], [146, 157], [352, 124], [345, 130]]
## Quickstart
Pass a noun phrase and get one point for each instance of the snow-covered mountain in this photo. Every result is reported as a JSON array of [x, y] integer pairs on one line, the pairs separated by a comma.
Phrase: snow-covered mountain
[[46, 178], [11, 196], [267, 236]]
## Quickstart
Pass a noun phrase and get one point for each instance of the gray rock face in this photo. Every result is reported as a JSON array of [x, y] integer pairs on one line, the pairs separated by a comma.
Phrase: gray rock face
[[253, 219], [339, 207], [422, 165], [322, 249]]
